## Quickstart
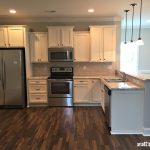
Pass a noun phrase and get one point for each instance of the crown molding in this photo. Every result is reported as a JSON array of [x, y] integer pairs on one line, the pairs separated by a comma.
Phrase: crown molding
[[59, 19]]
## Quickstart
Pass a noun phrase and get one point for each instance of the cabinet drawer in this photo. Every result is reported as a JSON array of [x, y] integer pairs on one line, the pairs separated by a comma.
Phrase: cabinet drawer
[[37, 88], [82, 82], [41, 98], [37, 81]]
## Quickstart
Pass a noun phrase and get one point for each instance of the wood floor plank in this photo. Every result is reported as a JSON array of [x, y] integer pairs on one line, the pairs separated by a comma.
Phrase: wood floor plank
[[61, 128]]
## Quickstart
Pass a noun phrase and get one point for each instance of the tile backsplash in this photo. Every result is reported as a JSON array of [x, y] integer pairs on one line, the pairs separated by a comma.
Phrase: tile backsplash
[[93, 69], [80, 69]]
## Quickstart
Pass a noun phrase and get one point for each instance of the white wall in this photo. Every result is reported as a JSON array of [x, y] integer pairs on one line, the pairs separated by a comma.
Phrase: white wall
[[144, 51]]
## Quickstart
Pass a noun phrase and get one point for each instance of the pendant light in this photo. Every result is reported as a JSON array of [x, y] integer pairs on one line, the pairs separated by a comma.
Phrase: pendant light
[[140, 41], [133, 5], [126, 11]]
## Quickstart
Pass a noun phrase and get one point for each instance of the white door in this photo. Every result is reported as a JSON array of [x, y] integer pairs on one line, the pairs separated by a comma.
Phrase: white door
[[44, 47], [81, 46], [109, 34], [54, 37], [96, 43], [82, 93], [35, 47], [66, 37], [15, 37]]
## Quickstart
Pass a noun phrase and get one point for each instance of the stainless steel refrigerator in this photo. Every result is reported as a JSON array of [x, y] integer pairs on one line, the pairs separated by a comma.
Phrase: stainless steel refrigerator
[[12, 78]]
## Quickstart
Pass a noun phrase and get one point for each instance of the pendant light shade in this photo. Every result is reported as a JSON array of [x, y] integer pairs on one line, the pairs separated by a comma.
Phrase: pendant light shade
[[140, 41], [126, 11], [133, 5]]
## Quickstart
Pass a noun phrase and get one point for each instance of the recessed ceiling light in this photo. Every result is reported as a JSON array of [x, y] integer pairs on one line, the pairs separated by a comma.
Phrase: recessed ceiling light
[[50, 11], [12, 11], [91, 10]]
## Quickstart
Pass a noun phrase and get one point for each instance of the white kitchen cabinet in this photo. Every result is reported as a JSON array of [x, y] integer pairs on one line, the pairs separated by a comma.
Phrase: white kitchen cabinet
[[82, 92], [87, 91], [81, 46], [37, 91], [60, 36], [39, 47], [12, 36], [103, 43]]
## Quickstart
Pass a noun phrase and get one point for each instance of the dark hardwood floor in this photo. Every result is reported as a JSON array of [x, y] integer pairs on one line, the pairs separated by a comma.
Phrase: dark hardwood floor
[[61, 128]]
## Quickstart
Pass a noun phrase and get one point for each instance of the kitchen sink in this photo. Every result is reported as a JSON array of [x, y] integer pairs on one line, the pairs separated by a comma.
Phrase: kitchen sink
[[114, 80]]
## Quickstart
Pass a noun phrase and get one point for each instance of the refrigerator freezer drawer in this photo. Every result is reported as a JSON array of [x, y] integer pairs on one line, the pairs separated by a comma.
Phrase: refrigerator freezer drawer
[[38, 98], [37, 89], [37, 82]]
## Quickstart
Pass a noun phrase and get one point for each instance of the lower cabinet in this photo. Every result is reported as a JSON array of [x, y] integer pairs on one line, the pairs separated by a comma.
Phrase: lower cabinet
[[87, 91], [37, 91]]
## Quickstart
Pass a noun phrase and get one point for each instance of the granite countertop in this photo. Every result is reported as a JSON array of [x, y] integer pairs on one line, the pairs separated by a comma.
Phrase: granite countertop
[[38, 77], [122, 85]]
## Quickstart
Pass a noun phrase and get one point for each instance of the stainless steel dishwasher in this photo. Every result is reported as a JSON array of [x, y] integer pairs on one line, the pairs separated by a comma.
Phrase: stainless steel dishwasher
[[107, 104]]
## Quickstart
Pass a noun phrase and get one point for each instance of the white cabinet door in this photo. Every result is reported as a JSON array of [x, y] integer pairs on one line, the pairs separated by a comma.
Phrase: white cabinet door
[[81, 46], [38, 47], [44, 47], [103, 43], [34, 47], [54, 37], [66, 37], [3, 37], [109, 48], [96, 91], [15, 37], [96, 44], [60, 36], [82, 94]]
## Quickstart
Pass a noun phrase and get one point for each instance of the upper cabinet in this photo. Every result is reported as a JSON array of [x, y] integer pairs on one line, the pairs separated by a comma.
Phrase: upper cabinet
[[39, 47], [81, 46], [103, 43], [12, 36], [60, 36]]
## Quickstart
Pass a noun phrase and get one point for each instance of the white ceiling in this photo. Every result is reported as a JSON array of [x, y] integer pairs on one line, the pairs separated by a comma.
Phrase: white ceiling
[[73, 8]]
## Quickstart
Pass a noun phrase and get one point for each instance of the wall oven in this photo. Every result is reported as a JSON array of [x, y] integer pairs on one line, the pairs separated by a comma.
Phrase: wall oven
[[60, 86], [60, 54]]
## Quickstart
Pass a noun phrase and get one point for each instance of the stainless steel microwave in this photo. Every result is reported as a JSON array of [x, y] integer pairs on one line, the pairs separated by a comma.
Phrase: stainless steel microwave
[[60, 54]]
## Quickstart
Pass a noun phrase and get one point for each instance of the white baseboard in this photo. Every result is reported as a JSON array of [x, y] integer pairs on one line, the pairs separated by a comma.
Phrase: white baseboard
[[144, 71], [146, 132]]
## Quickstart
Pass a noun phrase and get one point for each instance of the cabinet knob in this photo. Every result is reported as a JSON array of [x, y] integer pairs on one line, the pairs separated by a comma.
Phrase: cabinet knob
[[104, 59], [61, 44], [5, 44]]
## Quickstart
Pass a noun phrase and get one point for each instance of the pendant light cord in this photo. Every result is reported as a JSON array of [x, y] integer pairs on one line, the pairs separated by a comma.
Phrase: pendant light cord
[[126, 11], [140, 20]]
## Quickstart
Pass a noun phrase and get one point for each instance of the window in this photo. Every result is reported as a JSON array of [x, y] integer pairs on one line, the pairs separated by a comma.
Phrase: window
[[129, 56]]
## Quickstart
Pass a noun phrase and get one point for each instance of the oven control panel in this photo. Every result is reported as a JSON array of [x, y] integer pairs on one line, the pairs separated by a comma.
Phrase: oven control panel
[[61, 69]]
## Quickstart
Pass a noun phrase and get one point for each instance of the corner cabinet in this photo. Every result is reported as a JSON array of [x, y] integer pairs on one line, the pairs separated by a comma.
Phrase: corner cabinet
[[103, 43], [60, 36], [81, 46], [39, 47], [12, 36]]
